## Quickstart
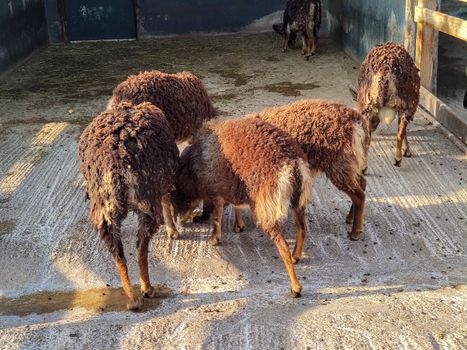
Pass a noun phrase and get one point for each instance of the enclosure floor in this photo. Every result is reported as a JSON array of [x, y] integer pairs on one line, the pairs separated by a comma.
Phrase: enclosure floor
[[402, 286]]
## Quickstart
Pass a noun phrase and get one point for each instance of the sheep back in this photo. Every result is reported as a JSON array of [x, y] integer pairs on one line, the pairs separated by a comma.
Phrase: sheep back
[[248, 161], [327, 133], [181, 96], [128, 158], [389, 78]]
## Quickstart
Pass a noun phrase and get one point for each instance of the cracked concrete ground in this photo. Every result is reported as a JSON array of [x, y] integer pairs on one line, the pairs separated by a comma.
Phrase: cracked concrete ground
[[402, 286]]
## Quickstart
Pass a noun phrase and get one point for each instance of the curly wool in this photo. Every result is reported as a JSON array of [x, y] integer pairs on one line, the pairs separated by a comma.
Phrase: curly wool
[[242, 160], [389, 78], [128, 158], [325, 130], [181, 96]]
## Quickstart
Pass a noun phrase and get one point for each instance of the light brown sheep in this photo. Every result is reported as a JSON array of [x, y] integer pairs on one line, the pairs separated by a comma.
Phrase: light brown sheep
[[389, 85], [335, 139], [247, 162], [181, 96], [129, 158]]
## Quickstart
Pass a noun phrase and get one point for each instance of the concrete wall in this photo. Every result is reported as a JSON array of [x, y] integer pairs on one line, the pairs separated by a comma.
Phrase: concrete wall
[[158, 17], [358, 25], [22, 29]]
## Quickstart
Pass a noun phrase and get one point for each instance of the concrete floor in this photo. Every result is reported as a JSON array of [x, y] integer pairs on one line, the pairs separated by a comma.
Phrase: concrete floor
[[402, 286]]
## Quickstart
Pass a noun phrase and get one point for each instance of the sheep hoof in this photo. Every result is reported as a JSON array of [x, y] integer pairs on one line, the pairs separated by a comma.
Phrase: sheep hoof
[[135, 303], [213, 241], [284, 50], [398, 162], [239, 228], [295, 260], [150, 293], [307, 58], [408, 153], [355, 236], [296, 293]]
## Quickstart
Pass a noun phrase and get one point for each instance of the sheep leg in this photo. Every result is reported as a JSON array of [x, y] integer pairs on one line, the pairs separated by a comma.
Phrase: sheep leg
[[168, 217], [309, 39], [111, 236], [300, 229], [401, 135], [278, 238], [286, 38], [350, 215], [358, 209], [304, 45], [146, 228], [408, 152], [239, 223], [217, 229]]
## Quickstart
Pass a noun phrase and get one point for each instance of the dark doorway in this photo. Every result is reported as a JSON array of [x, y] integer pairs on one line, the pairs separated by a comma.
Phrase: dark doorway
[[99, 19]]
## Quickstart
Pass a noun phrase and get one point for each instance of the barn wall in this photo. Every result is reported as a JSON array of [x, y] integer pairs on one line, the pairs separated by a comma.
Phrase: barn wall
[[23, 28], [159, 17], [358, 25]]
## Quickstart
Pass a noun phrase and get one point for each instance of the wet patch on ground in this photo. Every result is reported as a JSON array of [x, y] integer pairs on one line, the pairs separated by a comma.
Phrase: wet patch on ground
[[288, 88], [97, 299]]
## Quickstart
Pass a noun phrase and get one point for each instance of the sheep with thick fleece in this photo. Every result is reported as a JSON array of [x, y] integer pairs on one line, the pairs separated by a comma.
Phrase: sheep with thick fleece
[[335, 139], [389, 85], [129, 159], [181, 96], [247, 162], [304, 17]]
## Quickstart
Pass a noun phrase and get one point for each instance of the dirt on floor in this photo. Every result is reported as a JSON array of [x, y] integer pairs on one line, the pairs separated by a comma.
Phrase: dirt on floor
[[402, 286]]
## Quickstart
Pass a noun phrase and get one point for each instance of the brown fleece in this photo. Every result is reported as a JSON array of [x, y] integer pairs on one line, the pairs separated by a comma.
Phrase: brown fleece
[[398, 82], [298, 13], [238, 160], [181, 96], [128, 157], [324, 130]]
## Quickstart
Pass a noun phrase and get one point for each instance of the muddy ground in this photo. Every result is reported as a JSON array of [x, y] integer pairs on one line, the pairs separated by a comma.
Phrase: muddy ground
[[402, 286]]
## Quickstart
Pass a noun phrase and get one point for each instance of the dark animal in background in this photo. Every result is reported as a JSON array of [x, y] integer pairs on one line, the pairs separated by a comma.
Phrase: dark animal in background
[[181, 96], [247, 162], [335, 139], [304, 17], [389, 85], [129, 159]]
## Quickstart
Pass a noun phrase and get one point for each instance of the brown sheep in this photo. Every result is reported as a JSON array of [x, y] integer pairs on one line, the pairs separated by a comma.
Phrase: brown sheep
[[247, 162], [304, 17], [181, 96], [129, 158], [335, 139], [389, 85]]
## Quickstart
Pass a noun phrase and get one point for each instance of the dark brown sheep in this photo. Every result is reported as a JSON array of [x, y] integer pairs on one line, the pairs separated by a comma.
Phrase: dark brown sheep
[[389, 85], [181, 96], [304, 17], [129, 158], [247, 162], [335, 139]]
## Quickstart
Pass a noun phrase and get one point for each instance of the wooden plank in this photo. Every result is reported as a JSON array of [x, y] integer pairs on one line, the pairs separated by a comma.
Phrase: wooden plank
[[447, 24], [410, 27], [426, 49], [453, 121]]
